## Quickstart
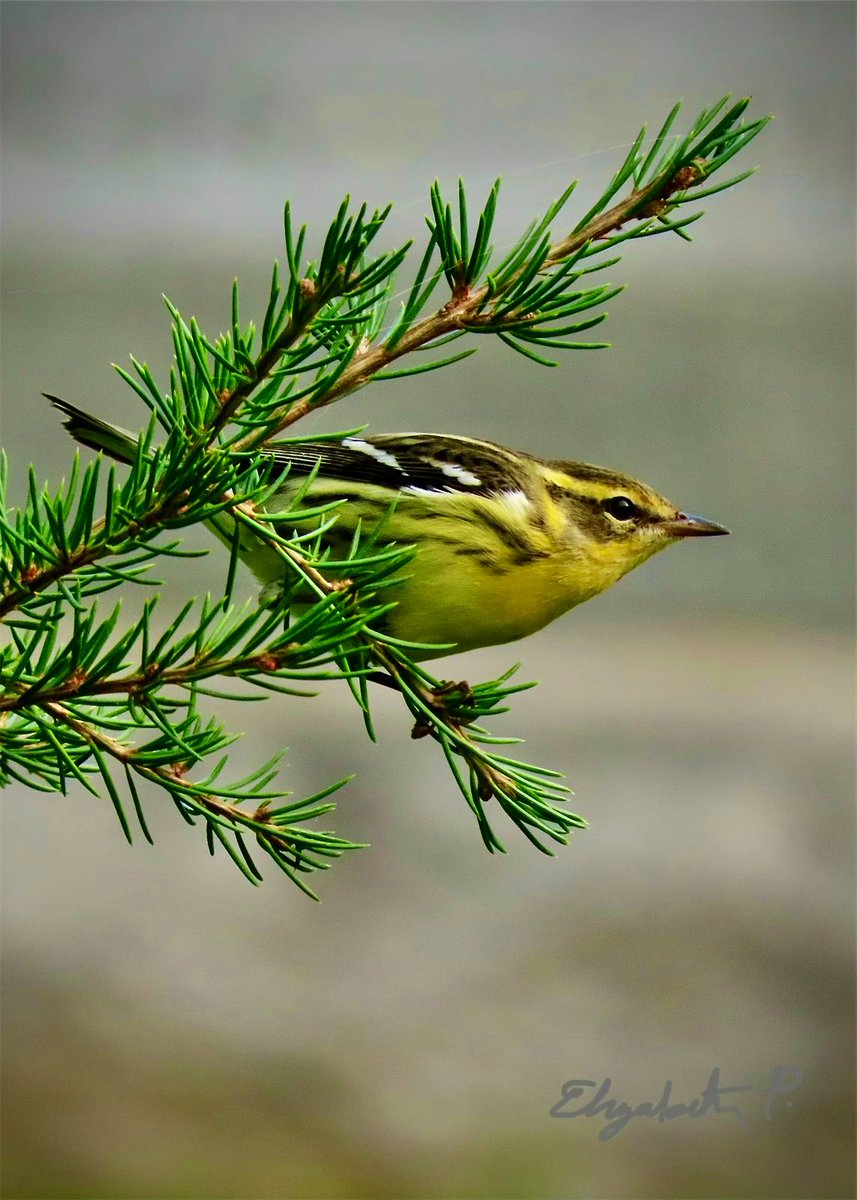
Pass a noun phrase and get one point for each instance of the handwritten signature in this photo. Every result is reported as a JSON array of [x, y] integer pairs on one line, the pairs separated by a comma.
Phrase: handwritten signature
[[617, 1113]]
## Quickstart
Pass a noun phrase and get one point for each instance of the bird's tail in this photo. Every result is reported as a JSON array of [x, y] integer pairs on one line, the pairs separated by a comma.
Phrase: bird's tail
[[98, 435]]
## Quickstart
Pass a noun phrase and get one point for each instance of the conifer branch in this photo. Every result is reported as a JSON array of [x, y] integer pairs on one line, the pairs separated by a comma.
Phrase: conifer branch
[[85, 695]]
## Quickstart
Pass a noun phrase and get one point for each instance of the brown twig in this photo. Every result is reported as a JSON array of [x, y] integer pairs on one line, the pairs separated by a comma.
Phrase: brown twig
[[464, 309], [153, 677], [165, 775], [37, 579]]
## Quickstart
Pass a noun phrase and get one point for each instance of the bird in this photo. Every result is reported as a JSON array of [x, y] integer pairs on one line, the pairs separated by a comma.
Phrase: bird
[[505, 542]]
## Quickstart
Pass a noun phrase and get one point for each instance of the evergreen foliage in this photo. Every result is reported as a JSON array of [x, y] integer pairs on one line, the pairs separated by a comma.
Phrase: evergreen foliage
[[89, 697]]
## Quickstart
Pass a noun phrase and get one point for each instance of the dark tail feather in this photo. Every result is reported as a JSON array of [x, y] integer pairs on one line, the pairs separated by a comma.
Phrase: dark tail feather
[[97, 435]]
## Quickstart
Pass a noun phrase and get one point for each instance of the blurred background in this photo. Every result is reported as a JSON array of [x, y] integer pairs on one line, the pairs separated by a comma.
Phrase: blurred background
[[169, 1031]]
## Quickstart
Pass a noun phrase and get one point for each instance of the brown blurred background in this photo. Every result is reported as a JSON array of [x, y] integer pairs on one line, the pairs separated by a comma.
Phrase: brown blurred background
[[169, 1031]]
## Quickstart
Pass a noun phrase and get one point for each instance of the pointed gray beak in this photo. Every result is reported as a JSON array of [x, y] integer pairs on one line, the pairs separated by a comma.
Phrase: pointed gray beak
[[685, 525]]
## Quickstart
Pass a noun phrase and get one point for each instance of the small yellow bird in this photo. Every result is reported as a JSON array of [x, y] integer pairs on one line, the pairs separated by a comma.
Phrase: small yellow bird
[[506, 542]]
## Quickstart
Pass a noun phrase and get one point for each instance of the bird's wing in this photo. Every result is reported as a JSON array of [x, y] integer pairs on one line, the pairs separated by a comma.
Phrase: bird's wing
[[423, 462]]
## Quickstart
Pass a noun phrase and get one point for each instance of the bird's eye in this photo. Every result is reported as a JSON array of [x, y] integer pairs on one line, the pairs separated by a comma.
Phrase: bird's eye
[[621, 508]]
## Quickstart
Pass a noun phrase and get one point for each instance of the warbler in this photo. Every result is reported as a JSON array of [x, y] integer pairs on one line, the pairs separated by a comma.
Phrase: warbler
[[505, 542]]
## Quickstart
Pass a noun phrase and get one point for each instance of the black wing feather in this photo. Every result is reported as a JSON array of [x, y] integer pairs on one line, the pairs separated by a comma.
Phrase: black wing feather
[[410, 460]]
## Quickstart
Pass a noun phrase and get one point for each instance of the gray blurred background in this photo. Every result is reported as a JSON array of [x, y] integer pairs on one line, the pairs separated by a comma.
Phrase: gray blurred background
[[171, 1032]]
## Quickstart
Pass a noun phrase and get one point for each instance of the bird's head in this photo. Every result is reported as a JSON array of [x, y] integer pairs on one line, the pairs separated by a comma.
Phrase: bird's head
[[613, 523]]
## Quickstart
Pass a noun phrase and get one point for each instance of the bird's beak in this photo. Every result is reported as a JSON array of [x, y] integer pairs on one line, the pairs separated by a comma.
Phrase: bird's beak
[[685, 525]]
